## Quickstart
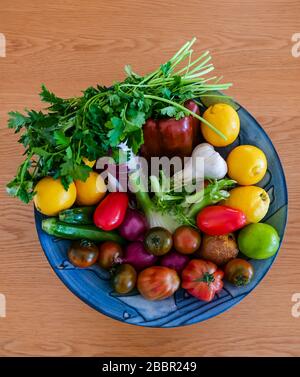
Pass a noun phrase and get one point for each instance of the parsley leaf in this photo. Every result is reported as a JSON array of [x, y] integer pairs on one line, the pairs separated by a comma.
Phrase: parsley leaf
[[170, 111], [61, 139], [17, 120], [115, 134], [166, 68], [57, 104]]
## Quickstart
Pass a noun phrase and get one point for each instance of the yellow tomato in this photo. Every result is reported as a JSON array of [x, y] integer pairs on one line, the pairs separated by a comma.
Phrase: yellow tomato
[[88, 162], [91, 191], [225, 119], [252, 200], [246, 164], [51, 197]]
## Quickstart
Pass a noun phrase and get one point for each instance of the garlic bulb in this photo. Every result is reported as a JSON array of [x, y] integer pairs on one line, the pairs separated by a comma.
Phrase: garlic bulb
[[214, 166]]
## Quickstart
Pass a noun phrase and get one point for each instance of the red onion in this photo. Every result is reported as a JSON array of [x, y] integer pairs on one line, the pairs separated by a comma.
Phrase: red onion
[[175, 260], [138, 257], [141, 238], [133, 226]]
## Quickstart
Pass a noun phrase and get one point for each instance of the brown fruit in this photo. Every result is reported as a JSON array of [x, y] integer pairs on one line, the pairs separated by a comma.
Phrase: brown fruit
[[218, 249]]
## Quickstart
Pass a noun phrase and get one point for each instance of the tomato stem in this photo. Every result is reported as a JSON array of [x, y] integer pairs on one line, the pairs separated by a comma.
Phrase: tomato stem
[[240, 280], [206, 278]]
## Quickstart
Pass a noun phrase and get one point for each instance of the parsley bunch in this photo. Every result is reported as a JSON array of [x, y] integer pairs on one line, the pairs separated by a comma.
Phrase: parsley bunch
[[93, 125]]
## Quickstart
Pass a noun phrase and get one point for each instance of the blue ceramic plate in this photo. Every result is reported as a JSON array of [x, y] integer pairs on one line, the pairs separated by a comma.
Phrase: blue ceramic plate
[[92, 284]]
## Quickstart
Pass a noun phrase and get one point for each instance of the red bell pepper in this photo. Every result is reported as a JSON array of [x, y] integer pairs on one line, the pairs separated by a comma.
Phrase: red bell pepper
[[170, 137], [202, 279], [110, 213], [219, 220]]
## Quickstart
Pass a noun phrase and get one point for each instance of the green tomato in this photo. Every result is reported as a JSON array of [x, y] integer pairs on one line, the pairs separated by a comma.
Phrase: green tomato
[[158, 241], [258, 241], [124, 278]]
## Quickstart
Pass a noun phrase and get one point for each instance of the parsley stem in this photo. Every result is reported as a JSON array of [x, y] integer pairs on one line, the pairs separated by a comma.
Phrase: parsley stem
[[194, 62], [180, 59], [187, 45], [24, 168]]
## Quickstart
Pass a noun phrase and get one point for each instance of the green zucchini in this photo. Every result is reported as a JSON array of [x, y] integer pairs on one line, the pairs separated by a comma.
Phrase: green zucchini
[[57, 228], [79, 215]]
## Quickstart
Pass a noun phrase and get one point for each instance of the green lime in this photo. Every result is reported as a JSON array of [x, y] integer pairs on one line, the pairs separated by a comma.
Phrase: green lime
[[258, 241]]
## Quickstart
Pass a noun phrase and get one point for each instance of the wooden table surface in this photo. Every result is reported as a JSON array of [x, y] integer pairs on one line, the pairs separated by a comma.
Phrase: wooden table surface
[[71, 44]]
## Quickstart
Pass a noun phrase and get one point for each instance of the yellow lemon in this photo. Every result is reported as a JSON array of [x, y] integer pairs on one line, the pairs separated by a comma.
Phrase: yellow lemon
[[246, 164], [51, 197], [225, 119], [252, 200], [88, 162], [91, 191]]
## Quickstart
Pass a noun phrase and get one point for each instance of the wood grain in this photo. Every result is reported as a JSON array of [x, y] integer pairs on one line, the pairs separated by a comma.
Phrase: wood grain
[[71, 44]]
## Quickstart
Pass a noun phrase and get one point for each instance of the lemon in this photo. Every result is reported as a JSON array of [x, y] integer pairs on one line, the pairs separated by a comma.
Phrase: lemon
[[225, 119], [51, 197], [252, 200], [247, 164], [91, 191]]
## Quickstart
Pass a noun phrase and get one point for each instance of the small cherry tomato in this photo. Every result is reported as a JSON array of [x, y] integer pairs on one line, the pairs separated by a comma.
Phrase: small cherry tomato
[[219, 220], [158, 282], [186, 239], [239, 272], [83, 253], [158, 241], [124, 278], [109, 252]]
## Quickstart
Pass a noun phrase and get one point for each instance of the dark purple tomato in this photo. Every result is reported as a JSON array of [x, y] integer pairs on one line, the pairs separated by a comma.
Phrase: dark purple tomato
[[83, 253]]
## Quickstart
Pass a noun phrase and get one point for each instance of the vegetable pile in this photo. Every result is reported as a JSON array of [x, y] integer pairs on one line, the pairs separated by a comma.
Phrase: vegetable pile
[[194, 228]]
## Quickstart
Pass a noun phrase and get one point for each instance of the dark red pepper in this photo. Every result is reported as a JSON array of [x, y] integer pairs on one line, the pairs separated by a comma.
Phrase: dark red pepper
[[170, 137]]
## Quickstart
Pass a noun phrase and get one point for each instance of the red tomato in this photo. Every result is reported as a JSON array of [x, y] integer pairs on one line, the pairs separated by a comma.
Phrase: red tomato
[[111, 211], [202, 279], [157, 282], [238, 272], [109, 252], [219, 220], [186, 239]]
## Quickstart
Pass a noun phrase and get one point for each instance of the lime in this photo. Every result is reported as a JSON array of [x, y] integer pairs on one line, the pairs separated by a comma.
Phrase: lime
[[258, 241]]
